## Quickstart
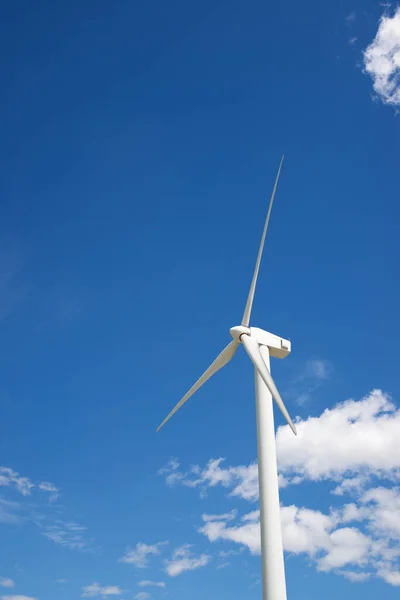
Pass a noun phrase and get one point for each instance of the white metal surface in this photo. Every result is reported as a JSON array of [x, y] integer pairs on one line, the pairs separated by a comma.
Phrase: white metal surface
[[254, 351], [278, 347], [273, 569], [250, 297], [238, 331], [222, 359]]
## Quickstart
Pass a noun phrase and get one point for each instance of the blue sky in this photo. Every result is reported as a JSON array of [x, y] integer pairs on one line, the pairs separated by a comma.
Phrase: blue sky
[[139, 146]]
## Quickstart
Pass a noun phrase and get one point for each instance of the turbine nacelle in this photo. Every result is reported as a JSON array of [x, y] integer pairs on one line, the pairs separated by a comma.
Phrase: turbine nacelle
[[278, 347]]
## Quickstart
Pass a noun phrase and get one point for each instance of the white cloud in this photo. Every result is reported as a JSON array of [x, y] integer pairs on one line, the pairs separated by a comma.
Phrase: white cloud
[[354, 576], [321, 536], [8, 477], [183, 560], [90, 591], [140, 555], [247, 533], [68, 534], [6, 582], [24, 485], [354, 438], [244, 479], [349, 444], [351, 484], [382, 59], [148, 583], [18, 597], [224, 517], [172, 473], [111, 590], [390, 577], [382, 505], [348, 546], [226, 553], [317, 368], [46, 486], [142, 596], [305, 531], [318, 535], [355, 446]]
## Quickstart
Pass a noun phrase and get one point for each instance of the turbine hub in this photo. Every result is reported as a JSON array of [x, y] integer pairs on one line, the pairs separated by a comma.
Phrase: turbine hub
[[238, 331]]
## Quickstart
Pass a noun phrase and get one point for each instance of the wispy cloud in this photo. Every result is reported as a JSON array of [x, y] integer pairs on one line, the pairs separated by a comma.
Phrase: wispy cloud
[[94, 589], [139, 556], [11, 478], [354, 576], [24, 485], [6, 582], [9, 512], [184, 560], [68, 534], [18, 597], [37, 506], [243, 478], [148, 583], [46, 486], [314, 373], [225, 554], [142, 596], [173, 475], [382, 59], [350, 18]]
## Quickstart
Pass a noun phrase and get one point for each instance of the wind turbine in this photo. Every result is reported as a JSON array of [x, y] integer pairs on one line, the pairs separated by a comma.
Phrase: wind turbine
[[260, 345]]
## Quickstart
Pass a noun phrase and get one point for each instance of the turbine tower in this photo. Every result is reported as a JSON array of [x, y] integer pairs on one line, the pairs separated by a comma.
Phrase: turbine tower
[[260, 345]]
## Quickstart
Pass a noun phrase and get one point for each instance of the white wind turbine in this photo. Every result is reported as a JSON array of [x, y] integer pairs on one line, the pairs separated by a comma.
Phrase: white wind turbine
[[260, 345]]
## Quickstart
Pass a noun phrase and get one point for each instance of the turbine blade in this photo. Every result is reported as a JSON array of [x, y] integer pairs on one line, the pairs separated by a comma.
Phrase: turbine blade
[[252, 348], [250, 298], [222, 359]]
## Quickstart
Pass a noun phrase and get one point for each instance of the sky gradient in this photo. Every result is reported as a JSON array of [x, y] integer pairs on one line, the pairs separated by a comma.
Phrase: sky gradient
[[139, 147]]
